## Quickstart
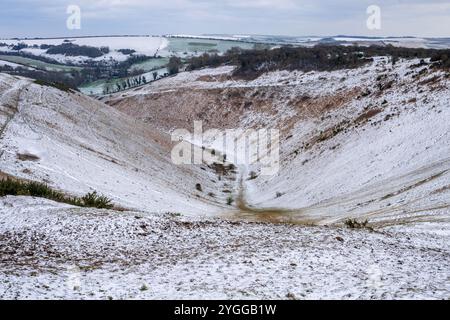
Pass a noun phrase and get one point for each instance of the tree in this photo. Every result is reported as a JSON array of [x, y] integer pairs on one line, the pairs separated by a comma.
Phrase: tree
[[394, 60], [106, 89], [155, 75], [174, 65]]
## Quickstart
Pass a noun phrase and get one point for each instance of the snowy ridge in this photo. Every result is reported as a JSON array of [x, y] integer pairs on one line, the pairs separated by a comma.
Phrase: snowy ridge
[[142, 45], [369, 143], [365, 143], [81, 145]]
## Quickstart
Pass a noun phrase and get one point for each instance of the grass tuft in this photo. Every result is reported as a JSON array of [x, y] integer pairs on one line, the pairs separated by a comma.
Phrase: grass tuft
[[36, 189], [354, 224], [97, 201]]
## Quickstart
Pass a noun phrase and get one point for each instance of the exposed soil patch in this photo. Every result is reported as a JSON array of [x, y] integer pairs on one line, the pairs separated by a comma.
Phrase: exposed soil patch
[[368, 114], [27, 157], [4, 176]]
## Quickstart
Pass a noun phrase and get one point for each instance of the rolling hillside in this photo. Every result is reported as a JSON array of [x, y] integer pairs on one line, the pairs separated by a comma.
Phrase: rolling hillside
[[370, 143]]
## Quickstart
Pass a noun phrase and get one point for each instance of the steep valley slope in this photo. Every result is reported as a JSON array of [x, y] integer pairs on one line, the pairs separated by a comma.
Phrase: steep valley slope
[[368, 143]]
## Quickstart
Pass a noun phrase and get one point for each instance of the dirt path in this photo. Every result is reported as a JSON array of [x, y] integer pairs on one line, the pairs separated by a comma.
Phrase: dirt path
[[335, 211], [49, 250]]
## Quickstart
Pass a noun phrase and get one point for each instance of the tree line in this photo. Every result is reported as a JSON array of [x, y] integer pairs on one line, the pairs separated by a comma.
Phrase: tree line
[[252, 63]]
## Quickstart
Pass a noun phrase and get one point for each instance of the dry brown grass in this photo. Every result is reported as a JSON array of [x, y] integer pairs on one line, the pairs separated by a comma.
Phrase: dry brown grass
[[368, 114], [27, 157]]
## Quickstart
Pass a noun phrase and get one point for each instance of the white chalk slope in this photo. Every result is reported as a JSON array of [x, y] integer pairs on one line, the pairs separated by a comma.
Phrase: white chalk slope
[[79, 145], [370, 143]]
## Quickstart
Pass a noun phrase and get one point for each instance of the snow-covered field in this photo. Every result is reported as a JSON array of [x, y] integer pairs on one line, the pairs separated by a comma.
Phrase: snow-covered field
[[149, 46], [53, 251], [188, 45], [142, 45], [412, 42], [369, 143], [10, 64]]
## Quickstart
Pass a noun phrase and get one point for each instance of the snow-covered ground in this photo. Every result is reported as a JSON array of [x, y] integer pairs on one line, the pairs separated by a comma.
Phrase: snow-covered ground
[[54, 251], [370, 143], [142, 45], [365, 143], [185, 45], [149, 46], [10, 64], [412, 42], [82, 145]]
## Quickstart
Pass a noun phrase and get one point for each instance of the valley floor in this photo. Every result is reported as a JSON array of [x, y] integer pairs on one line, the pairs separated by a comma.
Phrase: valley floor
[[367, 143], [50, 250]]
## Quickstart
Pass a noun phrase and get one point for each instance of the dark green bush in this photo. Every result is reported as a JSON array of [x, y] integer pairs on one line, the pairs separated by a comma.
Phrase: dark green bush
[[70, 49], [94, 200], [41, 190], [354, 224], [57, 85], [9, 187]]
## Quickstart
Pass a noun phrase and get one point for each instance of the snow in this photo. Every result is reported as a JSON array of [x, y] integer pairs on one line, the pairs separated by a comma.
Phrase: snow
[[188, 36], [11, 64], [55, 251], [160, 45], [83, 145], [356, 172], [412, 42], [14, 65], [387, 170], [285, 237], [142, 45]]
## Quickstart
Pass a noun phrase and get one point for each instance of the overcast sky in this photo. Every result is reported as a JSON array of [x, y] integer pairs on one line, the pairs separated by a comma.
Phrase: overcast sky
[[45, 18]]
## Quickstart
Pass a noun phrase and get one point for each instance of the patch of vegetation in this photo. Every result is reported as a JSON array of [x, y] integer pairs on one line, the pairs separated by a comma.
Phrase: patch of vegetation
[[27, 157], [95, 200], [202, 44], [253, 175], [230, 200], [173, 214], [279, 194], [252, 63], [57, 85], [222, 169], [127, 51], [74, 50], [368, 114], [354, 224], [36, 189], [174, 65], [20, 46], [143, 288], [76, 76]]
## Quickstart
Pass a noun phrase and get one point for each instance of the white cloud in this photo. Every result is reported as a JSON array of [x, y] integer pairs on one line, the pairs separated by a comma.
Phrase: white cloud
[[264, 4], [294, 17]]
